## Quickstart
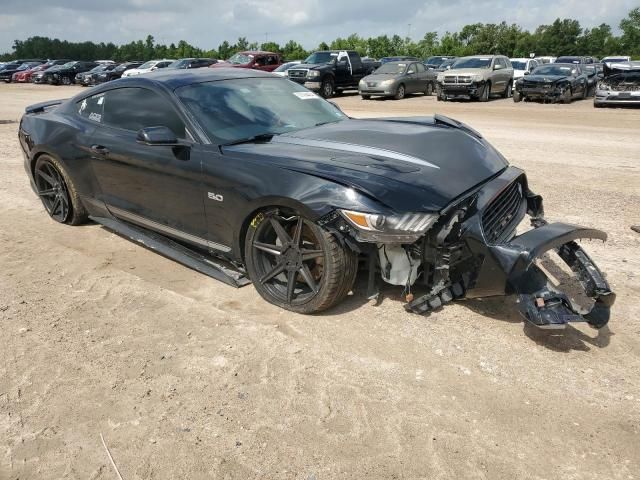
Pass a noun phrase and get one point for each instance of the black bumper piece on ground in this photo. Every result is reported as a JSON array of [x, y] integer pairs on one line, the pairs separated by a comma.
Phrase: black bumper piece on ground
[[512, 265]]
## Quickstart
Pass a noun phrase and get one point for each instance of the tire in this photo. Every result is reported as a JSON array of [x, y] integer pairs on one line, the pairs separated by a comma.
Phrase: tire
[[429, 90], [274, 246], [400, 92], [57, 192], [486, 90], [517, 96], [567, 96], [65, 80], [366, 97], [508, 91], [327, 88]]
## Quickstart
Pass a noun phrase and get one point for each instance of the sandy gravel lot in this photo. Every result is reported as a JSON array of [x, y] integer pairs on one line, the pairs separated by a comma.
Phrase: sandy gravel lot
[[187, 378]]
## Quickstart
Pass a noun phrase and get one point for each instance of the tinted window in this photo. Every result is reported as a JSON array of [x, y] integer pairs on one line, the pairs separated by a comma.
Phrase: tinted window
[[421, 68], [136, 108], [91, 108]]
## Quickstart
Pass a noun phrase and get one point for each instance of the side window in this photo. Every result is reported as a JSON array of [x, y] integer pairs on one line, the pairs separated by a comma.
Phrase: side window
[[136, 108], [91, 108], [412, 68], [421, 68]]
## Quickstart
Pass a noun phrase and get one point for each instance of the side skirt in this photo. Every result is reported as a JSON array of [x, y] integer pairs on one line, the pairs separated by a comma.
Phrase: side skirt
[[175, 251]]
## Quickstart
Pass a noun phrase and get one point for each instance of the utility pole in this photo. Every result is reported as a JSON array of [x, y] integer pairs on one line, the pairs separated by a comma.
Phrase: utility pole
[[409, 30]]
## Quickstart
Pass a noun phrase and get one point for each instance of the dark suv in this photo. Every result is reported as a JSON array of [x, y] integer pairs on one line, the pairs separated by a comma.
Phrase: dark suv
[[66, 74]]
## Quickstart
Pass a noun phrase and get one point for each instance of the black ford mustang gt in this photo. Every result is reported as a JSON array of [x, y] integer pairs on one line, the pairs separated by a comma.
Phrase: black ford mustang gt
[[246, 176]]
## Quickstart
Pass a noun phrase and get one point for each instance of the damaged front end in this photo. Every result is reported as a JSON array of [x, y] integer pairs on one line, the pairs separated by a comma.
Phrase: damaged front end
[[471, 250]]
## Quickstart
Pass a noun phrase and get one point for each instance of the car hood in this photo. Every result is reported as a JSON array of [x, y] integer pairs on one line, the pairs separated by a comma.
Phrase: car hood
[[468, 71], [545, 78], [381, 77], [408, 164]]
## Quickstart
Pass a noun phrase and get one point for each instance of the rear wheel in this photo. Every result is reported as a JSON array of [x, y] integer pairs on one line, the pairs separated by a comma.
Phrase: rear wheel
[[400, 92], [508, 91], [57, 192], [429, 90], [295, 264], [66, 80]]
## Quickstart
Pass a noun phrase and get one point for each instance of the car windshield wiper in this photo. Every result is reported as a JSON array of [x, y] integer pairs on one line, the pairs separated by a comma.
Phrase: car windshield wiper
[[262, 137]]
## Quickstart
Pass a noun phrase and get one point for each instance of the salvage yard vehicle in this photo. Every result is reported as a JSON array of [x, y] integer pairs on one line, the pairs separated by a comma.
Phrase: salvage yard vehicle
[[186, 63], [476, 77], [424, 202], [578, 60], [397, 79], [281, 71], [65, 74], [522, 66], [331, 71], [554, 82], [620, 87], [258, 60], [85, 78], [7, 73], [436, 61], [384, 60], [147, 67], [114, 74]]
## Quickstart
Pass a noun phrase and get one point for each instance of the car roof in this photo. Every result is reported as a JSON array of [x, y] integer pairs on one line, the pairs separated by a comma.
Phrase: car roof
[[257, 52], [173, 79]]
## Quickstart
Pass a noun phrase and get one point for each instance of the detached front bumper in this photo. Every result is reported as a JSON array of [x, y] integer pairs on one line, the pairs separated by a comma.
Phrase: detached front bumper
[[489, 265], [540, 93]]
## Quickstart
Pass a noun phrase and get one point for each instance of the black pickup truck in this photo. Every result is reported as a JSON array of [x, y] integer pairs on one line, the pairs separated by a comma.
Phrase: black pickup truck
[[331, 71]]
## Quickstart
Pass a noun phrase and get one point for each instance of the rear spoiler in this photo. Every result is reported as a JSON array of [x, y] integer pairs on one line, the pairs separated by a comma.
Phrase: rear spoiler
[[42, 106]]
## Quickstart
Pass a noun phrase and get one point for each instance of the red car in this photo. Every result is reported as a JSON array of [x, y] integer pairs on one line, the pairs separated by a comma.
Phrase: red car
[[24, 76], [265, 61]]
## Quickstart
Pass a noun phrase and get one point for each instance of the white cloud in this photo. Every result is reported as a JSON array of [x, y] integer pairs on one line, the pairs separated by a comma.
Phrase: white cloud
[[206, 24]]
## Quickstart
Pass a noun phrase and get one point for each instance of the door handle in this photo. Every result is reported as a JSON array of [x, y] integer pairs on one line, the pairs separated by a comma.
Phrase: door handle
[[99, 149]]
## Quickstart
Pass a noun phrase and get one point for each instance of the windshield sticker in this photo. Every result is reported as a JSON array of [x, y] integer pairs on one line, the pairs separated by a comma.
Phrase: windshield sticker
[[305, 95], [96, 117], [100, 100]]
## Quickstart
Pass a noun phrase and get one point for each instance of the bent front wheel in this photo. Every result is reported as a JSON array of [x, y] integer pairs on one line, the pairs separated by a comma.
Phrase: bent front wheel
[[295, 264]]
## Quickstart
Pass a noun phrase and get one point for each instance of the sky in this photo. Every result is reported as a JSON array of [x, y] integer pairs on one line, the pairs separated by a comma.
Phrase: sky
[[206, 23]]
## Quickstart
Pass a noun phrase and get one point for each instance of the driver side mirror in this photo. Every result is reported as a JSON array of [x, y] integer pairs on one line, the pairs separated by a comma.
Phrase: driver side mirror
[[160, 135]]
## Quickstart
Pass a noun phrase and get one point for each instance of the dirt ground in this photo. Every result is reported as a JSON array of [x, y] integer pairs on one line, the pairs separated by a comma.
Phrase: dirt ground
[[188, 378]]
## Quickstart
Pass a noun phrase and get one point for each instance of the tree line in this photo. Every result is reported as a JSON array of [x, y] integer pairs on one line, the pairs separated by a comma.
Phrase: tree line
[[562, 37]]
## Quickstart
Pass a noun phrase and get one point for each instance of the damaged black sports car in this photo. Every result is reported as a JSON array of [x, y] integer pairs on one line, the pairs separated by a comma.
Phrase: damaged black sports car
[[555, 82], [249, 177]]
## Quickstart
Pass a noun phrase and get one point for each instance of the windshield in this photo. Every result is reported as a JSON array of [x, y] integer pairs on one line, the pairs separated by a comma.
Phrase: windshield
[[181, 63], [393, 68], [568, 60], [434, 61], [99, 68], [149, 64], [519, 65], [552, 69], [472, 62], [321, 57], [69, 64], [240, 59], [232, 110], [615, 59], [447, 63]]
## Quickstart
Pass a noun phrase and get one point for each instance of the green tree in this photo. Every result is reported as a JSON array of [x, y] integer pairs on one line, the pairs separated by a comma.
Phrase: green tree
[[630, 39]]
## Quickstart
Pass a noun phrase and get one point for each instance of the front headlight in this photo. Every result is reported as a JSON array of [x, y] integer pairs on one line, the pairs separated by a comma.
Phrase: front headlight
[[314, 73], [401, 228], [603, 86], [440, 77], [386, 83]]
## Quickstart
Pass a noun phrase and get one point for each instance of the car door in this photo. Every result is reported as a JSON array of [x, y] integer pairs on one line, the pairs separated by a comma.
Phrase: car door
[[343, 69], [423, 77], [156, 186], [411, 78]]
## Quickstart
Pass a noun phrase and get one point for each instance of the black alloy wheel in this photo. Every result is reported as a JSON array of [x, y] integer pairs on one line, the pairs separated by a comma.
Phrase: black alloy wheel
[[57, 192], [295, 264], [53, 191], [66, 80]]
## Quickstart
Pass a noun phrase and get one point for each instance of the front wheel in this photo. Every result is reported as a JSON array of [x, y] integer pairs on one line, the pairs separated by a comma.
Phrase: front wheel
[[567, 95], [486, 90], [297, 265], [517, 96], [400, 92], [327, 88], [66, 80]]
